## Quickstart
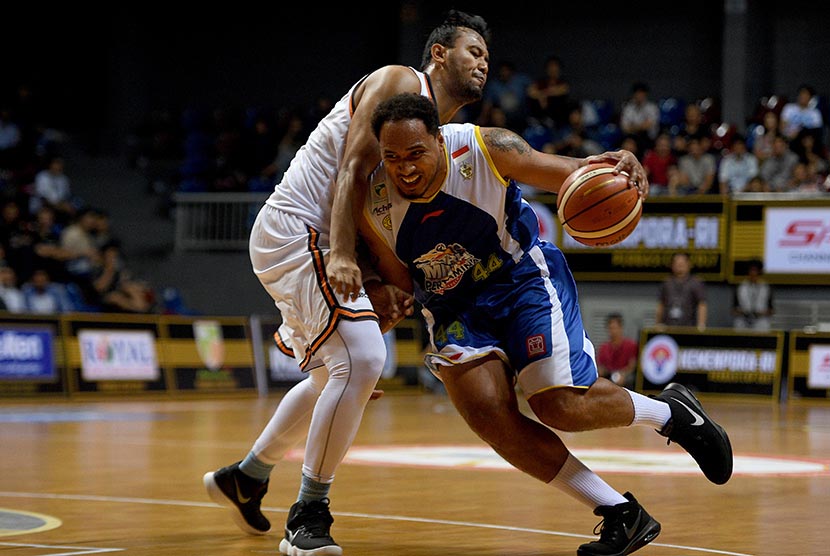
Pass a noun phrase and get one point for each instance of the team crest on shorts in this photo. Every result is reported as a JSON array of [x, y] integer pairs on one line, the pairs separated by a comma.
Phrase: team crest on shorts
[[535, 345], [444, 266]]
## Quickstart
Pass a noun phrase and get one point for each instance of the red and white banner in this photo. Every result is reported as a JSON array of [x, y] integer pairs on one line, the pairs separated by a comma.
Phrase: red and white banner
[[797, 240]]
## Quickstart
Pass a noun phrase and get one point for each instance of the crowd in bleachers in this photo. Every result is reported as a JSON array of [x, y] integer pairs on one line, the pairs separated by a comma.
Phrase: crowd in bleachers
[[57, 251], [684, 144]]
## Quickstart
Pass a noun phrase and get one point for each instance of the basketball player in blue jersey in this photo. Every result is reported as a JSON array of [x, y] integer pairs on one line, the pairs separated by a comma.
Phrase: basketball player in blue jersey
[[336, 339], [444, 218]]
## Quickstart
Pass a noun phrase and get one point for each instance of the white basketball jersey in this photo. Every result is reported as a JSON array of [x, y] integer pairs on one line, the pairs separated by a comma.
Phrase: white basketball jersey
[[307, 188]]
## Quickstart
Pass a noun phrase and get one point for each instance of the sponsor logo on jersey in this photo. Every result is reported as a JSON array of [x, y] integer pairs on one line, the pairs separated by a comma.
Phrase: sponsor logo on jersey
[[535, 345], [380, 190], [445, 266], [387, 222], [382, 209]]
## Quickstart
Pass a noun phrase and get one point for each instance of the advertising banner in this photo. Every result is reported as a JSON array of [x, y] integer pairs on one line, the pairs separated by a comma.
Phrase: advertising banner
[[696, 226], [118, 355], [26, 354], [722, 361], [797, 240]]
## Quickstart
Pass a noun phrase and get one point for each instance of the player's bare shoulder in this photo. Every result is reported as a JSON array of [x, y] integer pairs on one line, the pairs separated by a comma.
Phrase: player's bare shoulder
[[387, 81], [500, 140]]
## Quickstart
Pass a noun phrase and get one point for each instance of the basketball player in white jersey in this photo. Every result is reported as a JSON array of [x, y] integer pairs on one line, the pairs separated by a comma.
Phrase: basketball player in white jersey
[[444, 216], [335, 339]]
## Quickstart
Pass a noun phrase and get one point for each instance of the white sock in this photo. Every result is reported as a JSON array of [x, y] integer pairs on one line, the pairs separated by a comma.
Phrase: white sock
[[649, 412], [578, 481]]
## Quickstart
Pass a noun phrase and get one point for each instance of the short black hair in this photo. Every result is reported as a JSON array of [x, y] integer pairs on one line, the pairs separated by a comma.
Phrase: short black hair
[[807, 87], [446, 33], [406, 106], [614, 316]]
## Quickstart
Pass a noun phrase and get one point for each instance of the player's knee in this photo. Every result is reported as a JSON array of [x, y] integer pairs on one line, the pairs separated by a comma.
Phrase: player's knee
[[492, 422], [560, 409]]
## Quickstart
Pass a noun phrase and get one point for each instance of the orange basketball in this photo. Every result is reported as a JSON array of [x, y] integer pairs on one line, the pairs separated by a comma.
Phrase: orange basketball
[[597, 207]]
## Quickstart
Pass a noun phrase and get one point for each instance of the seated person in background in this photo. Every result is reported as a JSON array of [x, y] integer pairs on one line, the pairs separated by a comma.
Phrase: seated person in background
[[737, 168], [752, 307], [762, 146], [692, 126], [777, 169], [696, 171], [803, 114], [10, 294], [618, 356], [757, 185], [44, 297], [682, 297], [660, 163], [52, 189], [116, 290]]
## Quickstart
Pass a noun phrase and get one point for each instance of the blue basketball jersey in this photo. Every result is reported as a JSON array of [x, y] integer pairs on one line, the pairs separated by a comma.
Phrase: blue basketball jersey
[[485, 280]]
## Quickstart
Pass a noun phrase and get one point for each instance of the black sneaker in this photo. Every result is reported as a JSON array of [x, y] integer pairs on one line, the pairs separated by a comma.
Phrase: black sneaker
[[242, 494], [624, 528], [697, 433], [307, 530]]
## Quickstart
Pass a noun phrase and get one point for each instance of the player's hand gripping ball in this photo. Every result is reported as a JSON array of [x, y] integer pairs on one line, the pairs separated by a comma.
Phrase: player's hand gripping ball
[[597, 207]]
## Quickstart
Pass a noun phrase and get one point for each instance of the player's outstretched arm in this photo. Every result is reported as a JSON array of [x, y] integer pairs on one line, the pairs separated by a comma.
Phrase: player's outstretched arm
[[516, 159], [361, 156]]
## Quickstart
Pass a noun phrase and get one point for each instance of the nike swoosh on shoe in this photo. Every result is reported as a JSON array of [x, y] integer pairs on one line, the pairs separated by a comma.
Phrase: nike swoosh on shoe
[[698, 419]]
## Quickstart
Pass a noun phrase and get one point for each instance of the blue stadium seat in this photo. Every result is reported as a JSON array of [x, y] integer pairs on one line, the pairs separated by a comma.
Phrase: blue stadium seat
[[604, 110], [609, 136], [672, 112]]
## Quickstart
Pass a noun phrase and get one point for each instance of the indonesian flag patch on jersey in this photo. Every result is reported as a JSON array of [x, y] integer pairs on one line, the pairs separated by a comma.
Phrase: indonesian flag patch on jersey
[[461, 159]]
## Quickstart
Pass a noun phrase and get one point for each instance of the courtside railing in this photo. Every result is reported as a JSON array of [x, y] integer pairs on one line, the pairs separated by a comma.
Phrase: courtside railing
[[215, 221]]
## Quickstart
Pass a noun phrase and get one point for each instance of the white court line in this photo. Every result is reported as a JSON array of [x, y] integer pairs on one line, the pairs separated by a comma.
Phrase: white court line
[[77, 549], [157, 502]]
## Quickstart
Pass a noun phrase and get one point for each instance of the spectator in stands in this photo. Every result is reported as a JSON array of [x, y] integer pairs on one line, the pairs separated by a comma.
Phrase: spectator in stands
[[290, 142], [115, 289], [737, 167], [260, 149], [682, 297], [803, 180], [48, 253], [10, 294], [572, 138], [507, 91], [810, 153], [640, 116], [78, 239], [618, 356], [549, 96], [757, 185], [696, 171], [9, 138], [44, 297], [763, 142], [660, 163], [52, 189], [16, 239], [752, 306], [692, 126], [803, 114], [629, 143], [778, 168]]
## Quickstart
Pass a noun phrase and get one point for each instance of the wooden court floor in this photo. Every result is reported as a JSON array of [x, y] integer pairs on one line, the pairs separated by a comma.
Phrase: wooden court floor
[[126, 476]]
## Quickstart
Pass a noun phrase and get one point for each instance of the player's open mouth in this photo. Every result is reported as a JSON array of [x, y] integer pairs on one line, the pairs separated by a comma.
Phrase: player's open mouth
[[410, 180]]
